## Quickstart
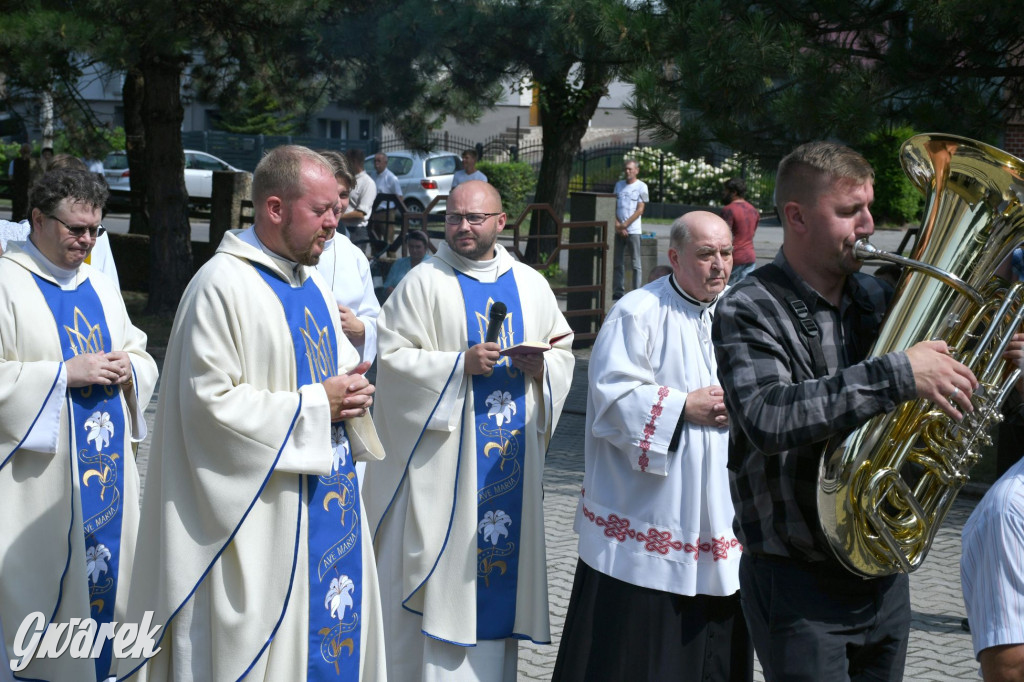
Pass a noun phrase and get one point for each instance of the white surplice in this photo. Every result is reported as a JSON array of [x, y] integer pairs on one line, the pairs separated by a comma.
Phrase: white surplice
[[221, 510], [421, 500], [650, 516], [40, 506], [347, 274]]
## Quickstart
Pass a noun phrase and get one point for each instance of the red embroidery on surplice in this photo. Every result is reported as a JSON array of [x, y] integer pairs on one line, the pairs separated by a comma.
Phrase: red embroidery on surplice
[[660, 542], [650, 427]]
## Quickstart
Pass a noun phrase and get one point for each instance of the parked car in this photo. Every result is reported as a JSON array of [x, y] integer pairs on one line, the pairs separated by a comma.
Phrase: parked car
[[421, 175], [199, 167]]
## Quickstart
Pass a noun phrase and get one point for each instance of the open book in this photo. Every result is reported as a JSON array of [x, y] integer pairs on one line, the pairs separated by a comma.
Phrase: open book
[[531, 347]]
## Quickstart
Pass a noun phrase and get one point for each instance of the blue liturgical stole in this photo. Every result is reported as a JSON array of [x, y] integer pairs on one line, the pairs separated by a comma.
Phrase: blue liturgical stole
[[332, 502], [499, 403], [97, 432]]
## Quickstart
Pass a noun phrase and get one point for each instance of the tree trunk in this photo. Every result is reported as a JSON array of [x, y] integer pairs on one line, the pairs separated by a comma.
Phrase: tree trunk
[[565, 116], [170, 242], [135, 146]]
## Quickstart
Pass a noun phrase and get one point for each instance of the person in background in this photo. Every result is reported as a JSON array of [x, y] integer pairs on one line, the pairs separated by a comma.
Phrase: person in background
[[656, 591], [418, 244], [75, 379], [40, 165], [468, 171], [360, 201], [382, 222], [659, 271], [347, 273], [631, 196], [742, 218], [456, 506]]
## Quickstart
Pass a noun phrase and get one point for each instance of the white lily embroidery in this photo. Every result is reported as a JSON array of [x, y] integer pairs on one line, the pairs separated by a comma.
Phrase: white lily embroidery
[[100, 429], [501, 406], [96, 561], [339, 596], [494, 525], [340, 444]]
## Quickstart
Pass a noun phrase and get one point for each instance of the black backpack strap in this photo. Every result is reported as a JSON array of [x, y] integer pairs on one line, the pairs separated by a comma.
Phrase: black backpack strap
[[775, 281]]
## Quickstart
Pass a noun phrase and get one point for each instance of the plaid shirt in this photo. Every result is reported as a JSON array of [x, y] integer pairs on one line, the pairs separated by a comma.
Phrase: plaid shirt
[[782, 415]]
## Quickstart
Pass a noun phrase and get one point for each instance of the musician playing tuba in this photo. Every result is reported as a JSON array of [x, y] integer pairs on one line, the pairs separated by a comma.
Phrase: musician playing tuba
[[791, 342]]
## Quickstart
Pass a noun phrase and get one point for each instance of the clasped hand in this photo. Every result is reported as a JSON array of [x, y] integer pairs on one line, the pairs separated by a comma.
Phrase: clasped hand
[[706, 407], [350, 395], [104, 369]]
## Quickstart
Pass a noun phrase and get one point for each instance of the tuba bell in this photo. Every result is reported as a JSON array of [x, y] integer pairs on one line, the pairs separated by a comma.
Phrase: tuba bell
[[884, 492]]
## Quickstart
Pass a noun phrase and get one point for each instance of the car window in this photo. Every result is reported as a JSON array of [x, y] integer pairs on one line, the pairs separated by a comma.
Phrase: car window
[[442, 165], [399, 165], [116, 161], [203, 162]]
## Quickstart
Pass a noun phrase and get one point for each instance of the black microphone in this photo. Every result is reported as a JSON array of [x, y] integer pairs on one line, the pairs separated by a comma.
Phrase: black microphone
[[497, 318]]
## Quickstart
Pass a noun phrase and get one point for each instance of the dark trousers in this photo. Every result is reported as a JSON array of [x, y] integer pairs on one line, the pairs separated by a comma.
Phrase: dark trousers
[[812, 623]]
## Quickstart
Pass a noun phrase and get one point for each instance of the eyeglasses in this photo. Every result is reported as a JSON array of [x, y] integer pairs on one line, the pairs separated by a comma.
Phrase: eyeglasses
[[471, 218], [78, 232]]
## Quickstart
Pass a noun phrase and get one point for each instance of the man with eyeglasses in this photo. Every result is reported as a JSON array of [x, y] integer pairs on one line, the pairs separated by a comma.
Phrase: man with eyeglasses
[[254, 554], [456, 505], [75, 379]]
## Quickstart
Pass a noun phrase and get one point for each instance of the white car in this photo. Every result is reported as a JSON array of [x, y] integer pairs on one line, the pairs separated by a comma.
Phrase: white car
[[199, 167]]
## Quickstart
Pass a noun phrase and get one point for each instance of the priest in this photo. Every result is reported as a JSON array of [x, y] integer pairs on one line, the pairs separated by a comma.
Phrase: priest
[[254, 551], [75, 379], [656, 590], [456, 506]]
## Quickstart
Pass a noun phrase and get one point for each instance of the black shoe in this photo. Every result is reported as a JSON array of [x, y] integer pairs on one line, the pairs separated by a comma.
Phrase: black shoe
[[965, 626]]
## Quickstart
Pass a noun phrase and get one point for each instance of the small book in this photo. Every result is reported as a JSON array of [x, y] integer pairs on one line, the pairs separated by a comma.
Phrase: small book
[[531, 347]]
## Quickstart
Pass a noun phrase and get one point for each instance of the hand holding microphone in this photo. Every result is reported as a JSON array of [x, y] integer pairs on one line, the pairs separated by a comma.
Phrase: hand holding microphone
[[481, 358]]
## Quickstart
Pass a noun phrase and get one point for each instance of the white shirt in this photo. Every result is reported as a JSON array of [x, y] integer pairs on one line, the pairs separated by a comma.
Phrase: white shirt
[[387, 183], [992, 563], [461, 176], [627, 196], [347, 274], [649, 515]]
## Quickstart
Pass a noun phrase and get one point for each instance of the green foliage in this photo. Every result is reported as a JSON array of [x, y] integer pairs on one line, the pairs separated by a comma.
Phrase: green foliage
[[514, 182], [552, 271], [8, 152], [88, 142], [896, 199]]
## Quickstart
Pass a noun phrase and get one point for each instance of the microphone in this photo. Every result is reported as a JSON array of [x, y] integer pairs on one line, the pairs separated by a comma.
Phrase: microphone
[[498, 311]]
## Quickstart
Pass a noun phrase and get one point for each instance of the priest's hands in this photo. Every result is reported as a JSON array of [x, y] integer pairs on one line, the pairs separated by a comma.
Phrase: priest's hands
[[706, 407], [531, 364], [350, 394], [104, 369], [351, 325], [481, 358]]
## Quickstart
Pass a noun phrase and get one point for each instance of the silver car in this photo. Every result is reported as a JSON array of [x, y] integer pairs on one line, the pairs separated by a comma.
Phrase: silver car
[[199, 167], [421, 175]]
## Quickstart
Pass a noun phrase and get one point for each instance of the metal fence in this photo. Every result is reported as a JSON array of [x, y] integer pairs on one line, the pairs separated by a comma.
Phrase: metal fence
[[595, 169]]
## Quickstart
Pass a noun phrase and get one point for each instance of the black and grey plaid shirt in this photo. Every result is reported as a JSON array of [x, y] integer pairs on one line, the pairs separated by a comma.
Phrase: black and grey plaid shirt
[[781, 415]]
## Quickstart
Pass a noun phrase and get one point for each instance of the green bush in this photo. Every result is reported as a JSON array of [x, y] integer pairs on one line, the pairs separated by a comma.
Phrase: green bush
[[695, 181], [897, 201], [8, 152], [514, 182]]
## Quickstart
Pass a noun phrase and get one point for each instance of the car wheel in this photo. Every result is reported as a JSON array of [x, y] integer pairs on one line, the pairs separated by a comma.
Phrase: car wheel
[[414, 206]]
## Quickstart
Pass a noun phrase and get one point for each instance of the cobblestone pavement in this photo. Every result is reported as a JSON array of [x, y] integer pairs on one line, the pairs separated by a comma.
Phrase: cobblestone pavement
[[939, 649]]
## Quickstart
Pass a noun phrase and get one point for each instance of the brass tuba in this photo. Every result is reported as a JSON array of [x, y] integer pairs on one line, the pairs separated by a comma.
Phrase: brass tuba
[[883, 493]]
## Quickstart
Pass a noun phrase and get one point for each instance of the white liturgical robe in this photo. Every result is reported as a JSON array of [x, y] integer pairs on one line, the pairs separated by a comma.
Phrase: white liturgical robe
[[422, 499], [42, 545], [223, 557], [649, 515]]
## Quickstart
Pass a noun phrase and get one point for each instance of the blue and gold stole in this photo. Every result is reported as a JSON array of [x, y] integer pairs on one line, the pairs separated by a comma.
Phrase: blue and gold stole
[[335, 541], [499, 403], [97, 426]]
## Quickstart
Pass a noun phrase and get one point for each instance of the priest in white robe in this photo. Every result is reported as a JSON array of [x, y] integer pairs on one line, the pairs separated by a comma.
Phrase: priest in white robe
[[456, 506], [254, 550], [656, 591], [75, 379]]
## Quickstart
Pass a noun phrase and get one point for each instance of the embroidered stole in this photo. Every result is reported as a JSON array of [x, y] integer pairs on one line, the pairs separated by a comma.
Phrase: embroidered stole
[[97, 425], [499, 403], [332, 502]]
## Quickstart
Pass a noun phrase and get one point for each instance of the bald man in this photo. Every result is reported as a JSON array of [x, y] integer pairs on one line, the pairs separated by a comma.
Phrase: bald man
[[456, 506], [656, 591]]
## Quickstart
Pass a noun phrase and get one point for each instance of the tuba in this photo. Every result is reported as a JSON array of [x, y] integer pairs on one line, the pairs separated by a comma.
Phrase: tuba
[[884, 492]]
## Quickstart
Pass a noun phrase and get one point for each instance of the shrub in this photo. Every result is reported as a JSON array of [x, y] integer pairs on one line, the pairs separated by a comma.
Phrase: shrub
[[695, 181], [514, 181], [896, 199]]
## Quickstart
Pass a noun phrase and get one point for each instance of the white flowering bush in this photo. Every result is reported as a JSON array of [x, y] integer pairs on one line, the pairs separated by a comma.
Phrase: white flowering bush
[[695, 181]]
